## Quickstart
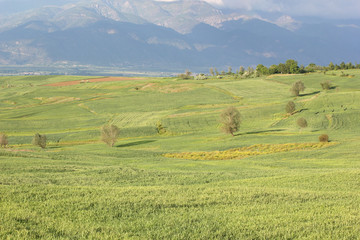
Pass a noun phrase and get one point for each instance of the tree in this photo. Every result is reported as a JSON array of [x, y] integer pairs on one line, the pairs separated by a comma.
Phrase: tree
[[186, 75], [301, 122], [273, 69], [39, 140], [326, 85], [262, 70], [342, 65], [292, 66], [230, 119], [282, 68], [241, 70], [229, 70], [109, 134], [212, 72], [3, 140], [297, 87], [290, 107], [324, 138], [331, 66]]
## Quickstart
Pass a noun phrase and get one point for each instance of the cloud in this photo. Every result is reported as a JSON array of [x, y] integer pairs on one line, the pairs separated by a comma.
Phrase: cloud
[[322, 8]]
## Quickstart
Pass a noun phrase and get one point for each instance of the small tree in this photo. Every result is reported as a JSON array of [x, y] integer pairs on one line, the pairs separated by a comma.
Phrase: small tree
[[326, 85], [241, 70], [212, 72], [324, 138], [230, 119], [297, 87], [39, 140], [301, 122], [290, 107], [3, 140], [109, 134], [186, 75]]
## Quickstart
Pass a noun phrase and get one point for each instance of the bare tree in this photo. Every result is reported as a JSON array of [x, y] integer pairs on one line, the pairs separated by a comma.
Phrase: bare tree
[[109, 134], [3, 140], [302, 122], [290, 107], [39, 140], [230, 119]]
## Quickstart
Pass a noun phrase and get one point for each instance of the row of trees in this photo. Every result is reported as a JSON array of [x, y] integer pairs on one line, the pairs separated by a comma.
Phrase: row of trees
[[289, 67]]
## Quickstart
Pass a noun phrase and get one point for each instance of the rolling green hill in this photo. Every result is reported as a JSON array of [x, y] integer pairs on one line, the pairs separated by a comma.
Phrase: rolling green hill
[[272, 180]]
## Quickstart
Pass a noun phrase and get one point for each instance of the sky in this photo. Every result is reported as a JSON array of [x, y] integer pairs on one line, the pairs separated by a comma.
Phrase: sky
[[315, 8]]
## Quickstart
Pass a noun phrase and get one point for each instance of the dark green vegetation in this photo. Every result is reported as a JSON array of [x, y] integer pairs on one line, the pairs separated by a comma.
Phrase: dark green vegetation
[[79, 188]]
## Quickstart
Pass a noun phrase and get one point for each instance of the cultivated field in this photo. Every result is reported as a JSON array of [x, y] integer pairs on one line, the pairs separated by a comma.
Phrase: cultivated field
[[272, 180]]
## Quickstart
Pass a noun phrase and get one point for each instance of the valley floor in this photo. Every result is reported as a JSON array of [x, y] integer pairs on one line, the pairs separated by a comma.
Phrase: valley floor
[[155, 186]]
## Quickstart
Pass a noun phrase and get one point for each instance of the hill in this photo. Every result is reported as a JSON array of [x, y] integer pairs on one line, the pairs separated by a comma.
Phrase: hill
[[271, 180]]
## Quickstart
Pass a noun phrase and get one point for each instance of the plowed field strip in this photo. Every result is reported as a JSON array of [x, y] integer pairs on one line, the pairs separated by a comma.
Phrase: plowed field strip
[[107, 79]]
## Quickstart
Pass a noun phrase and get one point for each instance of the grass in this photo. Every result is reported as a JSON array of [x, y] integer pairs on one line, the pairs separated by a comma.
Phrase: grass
[[264, 185]]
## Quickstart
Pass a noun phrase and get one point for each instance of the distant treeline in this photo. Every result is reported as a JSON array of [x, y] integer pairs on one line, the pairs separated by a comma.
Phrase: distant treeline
[[289, 67]]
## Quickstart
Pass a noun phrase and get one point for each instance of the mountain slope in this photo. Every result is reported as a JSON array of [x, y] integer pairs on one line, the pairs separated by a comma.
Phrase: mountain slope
[[146, 34]]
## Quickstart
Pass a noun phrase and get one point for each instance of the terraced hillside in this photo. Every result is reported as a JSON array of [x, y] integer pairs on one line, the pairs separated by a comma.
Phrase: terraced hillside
[[191, 181]]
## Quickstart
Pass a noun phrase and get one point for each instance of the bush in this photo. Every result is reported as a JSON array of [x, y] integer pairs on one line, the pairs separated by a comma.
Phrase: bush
[[201, 76], [3, 140], [230, 119], [290, 107], [109, 134], [186, 75], [297, 87], [326, 85], [302, 122], [160, 128], [324, 138], [39, 140]]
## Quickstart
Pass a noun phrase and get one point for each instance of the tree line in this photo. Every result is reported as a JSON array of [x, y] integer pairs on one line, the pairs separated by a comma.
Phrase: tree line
[[289, 67]]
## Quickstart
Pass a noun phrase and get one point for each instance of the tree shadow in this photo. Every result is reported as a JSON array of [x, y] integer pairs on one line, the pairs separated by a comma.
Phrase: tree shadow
[[257, 132], [135, 143], [309, 94]]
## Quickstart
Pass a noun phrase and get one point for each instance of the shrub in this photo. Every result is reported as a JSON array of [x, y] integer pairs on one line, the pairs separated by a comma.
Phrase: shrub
[[39, 140], [302, 122], [230, 119], [3, 140], [160, 128], [290, 107], [326, 85], [324, 138], [186, 75], [297, 87], [201, 76], [109, 134]]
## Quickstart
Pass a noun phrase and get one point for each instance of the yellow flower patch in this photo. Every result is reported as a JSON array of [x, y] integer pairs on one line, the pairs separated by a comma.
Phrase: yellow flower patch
[[254, 150]]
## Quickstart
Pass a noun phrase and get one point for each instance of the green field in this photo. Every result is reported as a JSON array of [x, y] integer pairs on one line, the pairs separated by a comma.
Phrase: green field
[[154, 186]]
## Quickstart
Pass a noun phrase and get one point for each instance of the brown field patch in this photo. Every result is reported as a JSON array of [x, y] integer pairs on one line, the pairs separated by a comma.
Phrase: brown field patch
[[106, 79]]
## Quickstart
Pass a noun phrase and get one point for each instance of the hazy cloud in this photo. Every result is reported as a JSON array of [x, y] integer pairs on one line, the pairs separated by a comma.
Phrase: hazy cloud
[[323, 8]]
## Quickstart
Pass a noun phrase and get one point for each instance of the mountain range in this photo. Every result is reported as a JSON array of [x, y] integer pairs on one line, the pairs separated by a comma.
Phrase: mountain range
[[169, 36]]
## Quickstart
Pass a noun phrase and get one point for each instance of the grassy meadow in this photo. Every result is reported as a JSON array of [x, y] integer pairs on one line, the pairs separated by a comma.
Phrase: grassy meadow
[[186, 183]]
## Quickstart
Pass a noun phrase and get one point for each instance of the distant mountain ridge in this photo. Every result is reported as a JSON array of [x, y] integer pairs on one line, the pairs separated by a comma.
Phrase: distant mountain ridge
[[167, 36]]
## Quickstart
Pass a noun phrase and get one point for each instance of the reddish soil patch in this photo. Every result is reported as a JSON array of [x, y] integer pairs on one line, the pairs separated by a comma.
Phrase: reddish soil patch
[[107, 79]]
